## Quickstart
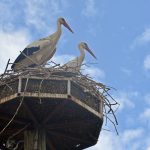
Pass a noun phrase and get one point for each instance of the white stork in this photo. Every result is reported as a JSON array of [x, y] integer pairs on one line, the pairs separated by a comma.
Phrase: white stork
[[75, 64], [39, 52]]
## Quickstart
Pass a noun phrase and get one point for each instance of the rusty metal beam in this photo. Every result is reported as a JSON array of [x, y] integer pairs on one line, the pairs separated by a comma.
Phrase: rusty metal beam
[[56, 110], [85, 106], [12, 130], [70, 124], [78, 139], [31, 115], [7, 117], [50, 144], [56, 138]]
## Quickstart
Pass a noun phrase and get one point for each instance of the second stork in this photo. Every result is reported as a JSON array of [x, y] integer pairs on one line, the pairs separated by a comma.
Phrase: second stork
[[75, 64]]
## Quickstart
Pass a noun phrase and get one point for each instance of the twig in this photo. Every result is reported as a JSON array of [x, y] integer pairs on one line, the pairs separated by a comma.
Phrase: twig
[[13, 135], [96, 89], [17, 110], [113, 124]]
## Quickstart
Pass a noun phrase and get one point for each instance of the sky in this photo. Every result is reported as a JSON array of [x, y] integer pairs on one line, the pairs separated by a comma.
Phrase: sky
[[117, 31]]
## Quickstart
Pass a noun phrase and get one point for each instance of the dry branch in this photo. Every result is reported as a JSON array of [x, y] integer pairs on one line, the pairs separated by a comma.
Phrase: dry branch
[[97, 89]]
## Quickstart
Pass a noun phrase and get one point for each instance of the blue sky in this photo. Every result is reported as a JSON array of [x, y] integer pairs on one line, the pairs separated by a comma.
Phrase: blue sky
[[117, 31]]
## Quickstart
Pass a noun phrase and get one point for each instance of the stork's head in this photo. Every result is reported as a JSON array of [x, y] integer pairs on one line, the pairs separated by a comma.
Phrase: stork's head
[[63, 21], [85, 46]]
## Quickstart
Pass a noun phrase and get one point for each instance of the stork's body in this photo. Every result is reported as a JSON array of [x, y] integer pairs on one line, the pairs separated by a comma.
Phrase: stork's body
[[39, 52], [75, 64]]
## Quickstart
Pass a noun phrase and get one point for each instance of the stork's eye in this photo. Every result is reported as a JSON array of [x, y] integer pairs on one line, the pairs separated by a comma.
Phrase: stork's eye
[[63, 19], [85, 44]]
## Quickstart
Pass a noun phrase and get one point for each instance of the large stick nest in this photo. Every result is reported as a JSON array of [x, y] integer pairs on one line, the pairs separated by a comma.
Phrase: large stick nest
[[110, 105]]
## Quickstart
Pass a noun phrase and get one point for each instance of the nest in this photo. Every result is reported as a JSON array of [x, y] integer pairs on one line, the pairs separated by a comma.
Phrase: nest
[[110, 105]]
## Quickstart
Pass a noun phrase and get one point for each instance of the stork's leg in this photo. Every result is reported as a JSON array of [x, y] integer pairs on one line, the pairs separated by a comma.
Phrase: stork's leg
[[43, 65]]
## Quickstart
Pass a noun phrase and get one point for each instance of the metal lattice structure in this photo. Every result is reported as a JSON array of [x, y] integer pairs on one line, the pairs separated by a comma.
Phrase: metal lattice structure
[[56, 108]]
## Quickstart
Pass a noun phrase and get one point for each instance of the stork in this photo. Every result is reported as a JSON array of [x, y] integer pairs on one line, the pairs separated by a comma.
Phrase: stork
[[39, 52], [75, 64]]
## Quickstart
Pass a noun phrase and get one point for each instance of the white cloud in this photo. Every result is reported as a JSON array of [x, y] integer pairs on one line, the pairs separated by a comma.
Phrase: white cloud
[[90, 9], [128, 72], [11, 44], [7, 17], [145, 114], [147, 98], [147, 62], [62, 59], [94, 72], [142, 39], [148, 148], [145, 37], [107, 141], [42, 13], [126, 99], [38, 14], [132, 134], [147, 143], [129, 139], [34, 14]]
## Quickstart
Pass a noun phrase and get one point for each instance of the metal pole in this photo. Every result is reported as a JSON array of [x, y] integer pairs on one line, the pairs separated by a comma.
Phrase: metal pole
[[35, 139]]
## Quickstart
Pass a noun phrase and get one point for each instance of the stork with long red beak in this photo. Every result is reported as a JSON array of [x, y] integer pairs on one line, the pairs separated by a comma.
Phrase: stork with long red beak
[[75, 64], [39, 52]]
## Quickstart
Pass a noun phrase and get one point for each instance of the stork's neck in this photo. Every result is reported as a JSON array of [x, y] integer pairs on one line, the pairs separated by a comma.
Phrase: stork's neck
[[82, 53], [58, 32], [55, 36]]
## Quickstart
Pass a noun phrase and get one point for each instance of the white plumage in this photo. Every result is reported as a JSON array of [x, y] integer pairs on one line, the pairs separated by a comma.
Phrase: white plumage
[[75, 64], [39, 52]]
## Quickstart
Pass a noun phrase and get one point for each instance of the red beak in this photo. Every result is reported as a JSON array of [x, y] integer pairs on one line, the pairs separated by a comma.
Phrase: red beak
[[90, 51], [67, 26]]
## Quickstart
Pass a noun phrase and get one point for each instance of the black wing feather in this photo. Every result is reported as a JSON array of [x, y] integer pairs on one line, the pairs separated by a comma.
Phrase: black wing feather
[[28, 52]]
